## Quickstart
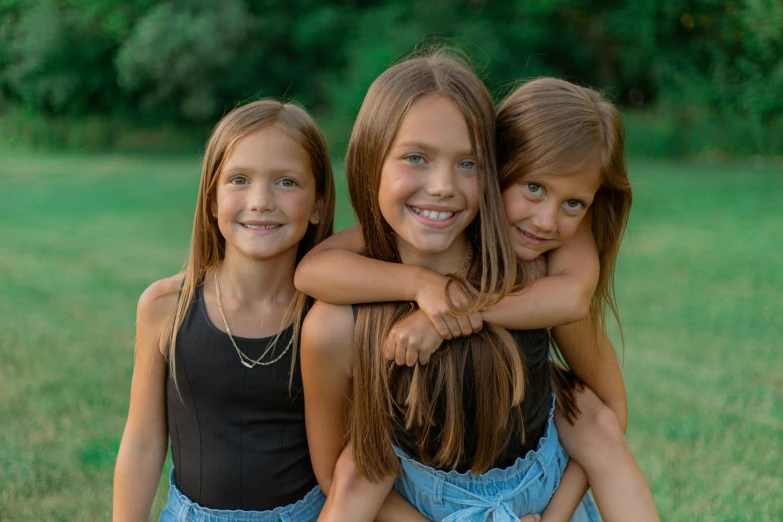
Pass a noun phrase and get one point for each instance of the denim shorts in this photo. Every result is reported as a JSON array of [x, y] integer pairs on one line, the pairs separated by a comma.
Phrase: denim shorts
[[499, 495], [181, 509]]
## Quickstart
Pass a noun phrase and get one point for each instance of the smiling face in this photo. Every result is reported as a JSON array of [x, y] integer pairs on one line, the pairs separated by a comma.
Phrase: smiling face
[[266, 195], [544, 211], [428, 191]]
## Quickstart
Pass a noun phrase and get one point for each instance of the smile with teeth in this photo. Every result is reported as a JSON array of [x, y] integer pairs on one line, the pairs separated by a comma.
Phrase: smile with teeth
[[432, 214], [260, 227]]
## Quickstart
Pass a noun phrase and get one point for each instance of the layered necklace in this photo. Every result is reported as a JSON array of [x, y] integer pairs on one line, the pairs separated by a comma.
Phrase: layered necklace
[[246, 361]]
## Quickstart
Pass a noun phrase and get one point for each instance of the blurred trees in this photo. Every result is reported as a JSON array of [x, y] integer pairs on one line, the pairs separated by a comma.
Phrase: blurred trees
[[192, 60]]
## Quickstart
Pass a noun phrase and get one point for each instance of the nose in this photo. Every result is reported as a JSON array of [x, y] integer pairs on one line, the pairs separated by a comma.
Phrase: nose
[[441, 181], [262, 198], [545, 219]]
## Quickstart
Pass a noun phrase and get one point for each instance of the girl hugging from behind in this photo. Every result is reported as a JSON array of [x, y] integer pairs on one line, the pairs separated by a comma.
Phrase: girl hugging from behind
[[562, 182]]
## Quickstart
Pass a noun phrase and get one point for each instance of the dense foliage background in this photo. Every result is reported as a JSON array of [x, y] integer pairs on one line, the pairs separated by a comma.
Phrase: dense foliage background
[[696, 76]]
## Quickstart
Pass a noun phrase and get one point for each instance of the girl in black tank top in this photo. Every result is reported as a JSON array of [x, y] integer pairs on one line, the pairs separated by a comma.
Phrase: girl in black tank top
[[217, 360]]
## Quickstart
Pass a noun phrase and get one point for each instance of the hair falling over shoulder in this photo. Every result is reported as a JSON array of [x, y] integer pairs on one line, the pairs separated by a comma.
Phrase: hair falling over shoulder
[[385, 395], [548, 126], [207, 245]]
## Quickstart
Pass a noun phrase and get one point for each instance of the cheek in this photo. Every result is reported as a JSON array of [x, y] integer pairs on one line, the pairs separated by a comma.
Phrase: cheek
[[567, 228], [516, 208]]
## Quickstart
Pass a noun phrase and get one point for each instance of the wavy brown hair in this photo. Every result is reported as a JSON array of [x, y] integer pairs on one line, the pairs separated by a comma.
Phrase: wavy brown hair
[[548, 126], [207, 245], [383, 394]]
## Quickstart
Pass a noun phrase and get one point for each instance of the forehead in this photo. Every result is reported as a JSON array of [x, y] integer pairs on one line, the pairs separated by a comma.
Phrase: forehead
[[435, 121], [269, 148]]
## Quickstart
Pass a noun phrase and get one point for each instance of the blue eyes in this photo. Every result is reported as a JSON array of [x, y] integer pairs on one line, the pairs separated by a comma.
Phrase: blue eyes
[[419, 160], [536, 190]]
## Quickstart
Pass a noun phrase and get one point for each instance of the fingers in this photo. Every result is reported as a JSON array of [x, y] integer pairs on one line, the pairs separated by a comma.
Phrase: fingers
[[476, 323], [412, 355], [465, 326], [454, 328], [401, 352], [442, 327]]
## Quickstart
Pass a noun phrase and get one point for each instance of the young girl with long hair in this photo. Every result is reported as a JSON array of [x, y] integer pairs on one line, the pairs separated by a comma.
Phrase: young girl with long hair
[[474, 426], [217, 369], [564, 183]]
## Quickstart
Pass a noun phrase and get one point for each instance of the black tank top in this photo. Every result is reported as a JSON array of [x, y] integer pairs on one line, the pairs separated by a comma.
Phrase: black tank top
[[534, 347], [238, 436]]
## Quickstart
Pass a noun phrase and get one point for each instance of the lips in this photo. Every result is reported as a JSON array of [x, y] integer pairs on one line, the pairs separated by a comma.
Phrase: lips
[[531, 239], [434, 217], [433, 214]]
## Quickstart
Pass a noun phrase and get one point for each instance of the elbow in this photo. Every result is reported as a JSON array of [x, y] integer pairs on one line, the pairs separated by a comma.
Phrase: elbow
[[302, 277]]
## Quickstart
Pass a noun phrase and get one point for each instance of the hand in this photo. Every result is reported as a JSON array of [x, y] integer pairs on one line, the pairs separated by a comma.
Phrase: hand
[[411, 340], [432, 301], [530, 518]]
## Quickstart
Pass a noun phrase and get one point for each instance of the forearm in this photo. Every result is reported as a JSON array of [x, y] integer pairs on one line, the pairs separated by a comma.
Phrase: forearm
[[568, 495], [550, 301], [136, 478], [343, 277]]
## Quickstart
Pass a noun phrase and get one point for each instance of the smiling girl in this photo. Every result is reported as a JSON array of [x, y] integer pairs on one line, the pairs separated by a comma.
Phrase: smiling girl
[[566, 198], [216, 367], [471, 433]]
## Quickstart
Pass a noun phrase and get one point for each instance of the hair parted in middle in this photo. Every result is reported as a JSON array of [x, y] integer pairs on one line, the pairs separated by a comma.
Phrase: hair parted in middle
[[384, 394], [207, 246]]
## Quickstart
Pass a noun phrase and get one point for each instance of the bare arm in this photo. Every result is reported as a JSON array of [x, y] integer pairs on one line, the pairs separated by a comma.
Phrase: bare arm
[[590, 355], [562, 297], [327, 358], [335, 272], [145, 440]]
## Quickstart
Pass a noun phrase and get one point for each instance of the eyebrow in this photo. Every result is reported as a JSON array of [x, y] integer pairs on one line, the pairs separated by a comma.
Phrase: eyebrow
[[428, 148]]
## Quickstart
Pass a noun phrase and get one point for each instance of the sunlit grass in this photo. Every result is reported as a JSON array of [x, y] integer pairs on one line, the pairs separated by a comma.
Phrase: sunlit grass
[[699, 285]]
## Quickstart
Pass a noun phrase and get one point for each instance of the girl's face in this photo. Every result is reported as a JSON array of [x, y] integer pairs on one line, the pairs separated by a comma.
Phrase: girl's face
[[428, 190], [544, 211], [266, 195]]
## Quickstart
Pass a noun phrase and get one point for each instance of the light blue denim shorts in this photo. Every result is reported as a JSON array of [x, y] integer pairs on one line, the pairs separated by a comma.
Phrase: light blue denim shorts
[[181, 509], [499, 495]]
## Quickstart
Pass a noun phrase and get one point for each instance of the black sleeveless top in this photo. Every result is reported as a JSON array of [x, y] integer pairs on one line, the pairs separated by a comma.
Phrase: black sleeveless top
[[238, 436], [534, 347]]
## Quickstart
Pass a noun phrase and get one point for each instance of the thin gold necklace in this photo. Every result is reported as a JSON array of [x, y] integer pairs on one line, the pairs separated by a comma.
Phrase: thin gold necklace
[[246, 361]]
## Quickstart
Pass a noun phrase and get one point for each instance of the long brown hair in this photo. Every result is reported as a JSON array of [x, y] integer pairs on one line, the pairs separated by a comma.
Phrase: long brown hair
[[549, 125], [207, 245], [382, 393]]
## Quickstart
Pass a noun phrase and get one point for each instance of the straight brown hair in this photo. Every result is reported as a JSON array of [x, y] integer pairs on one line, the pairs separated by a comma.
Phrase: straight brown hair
[[207, 245], [549, 125], [384, 395]]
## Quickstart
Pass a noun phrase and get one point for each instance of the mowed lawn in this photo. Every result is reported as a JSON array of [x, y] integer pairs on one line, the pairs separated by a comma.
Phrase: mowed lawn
[[699, 285]]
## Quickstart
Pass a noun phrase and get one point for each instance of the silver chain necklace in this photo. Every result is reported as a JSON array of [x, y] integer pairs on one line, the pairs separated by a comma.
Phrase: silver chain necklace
[[246, 361]]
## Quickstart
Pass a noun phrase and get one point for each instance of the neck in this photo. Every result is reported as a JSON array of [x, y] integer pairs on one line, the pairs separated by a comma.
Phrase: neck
[[250, 280], [449, 261]]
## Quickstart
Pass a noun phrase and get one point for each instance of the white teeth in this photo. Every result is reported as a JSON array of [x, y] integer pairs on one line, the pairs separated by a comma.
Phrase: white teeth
[[260, 227], [433, 214]]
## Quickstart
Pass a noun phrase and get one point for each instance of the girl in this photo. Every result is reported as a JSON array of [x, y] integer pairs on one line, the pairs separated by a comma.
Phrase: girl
[[421, 176], [562, 160], [229, 396]]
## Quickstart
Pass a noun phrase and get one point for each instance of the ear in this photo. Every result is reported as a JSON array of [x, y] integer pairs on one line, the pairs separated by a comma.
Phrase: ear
[[213, 208], [315, 215]]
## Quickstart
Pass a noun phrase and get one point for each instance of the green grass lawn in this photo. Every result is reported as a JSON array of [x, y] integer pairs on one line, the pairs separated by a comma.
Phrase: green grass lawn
[[699, 286]]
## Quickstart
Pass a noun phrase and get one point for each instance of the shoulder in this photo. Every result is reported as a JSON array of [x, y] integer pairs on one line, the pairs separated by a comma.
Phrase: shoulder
[[155, 310], [328, 332], [159, 297]]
